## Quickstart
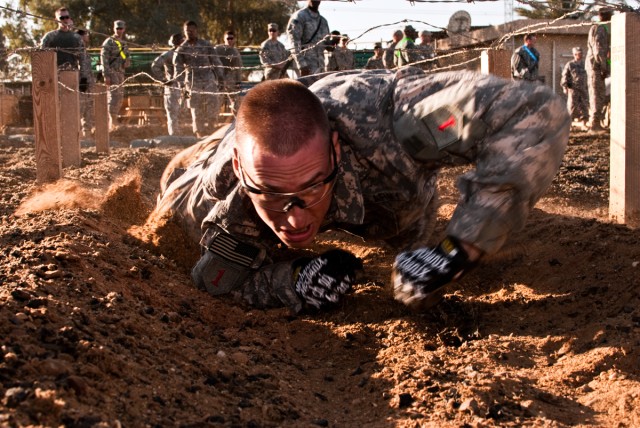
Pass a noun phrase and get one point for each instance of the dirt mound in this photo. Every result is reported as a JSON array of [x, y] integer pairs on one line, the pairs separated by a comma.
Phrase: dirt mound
[[102, 327]]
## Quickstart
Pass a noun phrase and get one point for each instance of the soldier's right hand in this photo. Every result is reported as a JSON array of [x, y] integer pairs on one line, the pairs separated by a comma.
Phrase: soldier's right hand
[[321, 281]]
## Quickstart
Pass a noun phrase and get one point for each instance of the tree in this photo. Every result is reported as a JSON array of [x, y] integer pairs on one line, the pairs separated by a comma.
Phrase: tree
[[551, 9], [149, 22]]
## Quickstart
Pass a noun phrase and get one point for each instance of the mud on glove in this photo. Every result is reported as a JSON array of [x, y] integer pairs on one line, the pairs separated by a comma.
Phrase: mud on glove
[[420, 275], [322, 280]]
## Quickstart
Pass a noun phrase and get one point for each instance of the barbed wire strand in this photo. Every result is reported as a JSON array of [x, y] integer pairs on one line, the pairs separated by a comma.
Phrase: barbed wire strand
[[132, 81]]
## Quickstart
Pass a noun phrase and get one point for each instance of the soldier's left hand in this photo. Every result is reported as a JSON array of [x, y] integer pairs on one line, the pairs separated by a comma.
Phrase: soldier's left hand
[[419, 276]]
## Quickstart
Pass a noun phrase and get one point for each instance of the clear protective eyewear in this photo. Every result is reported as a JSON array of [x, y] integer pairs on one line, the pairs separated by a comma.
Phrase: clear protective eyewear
[[283, 202]]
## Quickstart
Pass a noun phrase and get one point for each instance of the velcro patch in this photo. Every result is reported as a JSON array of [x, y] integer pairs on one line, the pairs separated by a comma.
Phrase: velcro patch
[[445, 125], [229, 248]]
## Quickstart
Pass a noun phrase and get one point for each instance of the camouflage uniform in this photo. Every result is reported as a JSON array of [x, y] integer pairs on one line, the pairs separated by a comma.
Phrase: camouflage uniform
[[231, 73], [524, 63], [598, 69], [86, 96], [273, 52], [574, 81], [406, 52], [330, 62], [197, 67], [344, 58], [163, 69], [426, 52], [374, 63], [114, 60], [396, 130], [388, 58], [306, 31]]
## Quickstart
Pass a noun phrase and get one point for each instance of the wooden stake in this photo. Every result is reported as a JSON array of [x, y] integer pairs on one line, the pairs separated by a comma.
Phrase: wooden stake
[[101, 114], [69, 118], [46, 118], [624, 188]]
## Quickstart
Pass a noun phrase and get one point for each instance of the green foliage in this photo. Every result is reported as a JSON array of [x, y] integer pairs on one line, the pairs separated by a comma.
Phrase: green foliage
[[551, 9], [149, 22]]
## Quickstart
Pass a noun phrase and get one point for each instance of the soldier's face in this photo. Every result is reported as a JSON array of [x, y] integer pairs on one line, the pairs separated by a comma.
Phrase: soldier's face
[[310, 166], [577, 56], [191, 32]]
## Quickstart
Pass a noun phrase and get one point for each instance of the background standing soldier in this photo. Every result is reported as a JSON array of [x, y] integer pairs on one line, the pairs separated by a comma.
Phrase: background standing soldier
[[273, 55], [87, 85], [115, 59], [375, 62], [231, 70], [406, 52], [574, 84], [344, 55], [68, 45], [198, 71], [307, 30], [598, 66], [426, 51], [163, 69], [526, 60], [331, 44], [390, 51]]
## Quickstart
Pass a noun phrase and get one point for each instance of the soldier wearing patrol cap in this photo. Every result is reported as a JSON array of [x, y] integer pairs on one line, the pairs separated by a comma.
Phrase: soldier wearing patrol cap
[[375, 62], [198, 71], [574, 84], [114, 56], [163, 69], [360, 152], [343, 55], [273, 55], [307, 30], [426, 51]]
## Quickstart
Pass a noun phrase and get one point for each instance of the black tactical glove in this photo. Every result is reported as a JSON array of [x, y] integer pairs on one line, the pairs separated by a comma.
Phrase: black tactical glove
[[419, 276], [83, 85], [322, 280]]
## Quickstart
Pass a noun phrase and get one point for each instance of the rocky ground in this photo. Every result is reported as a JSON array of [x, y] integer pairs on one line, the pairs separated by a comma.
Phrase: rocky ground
[[99, 329]]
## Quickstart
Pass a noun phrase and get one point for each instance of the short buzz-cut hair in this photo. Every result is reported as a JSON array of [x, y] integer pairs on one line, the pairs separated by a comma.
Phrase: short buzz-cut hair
[[281, 115], [190, 24], [529, 36]]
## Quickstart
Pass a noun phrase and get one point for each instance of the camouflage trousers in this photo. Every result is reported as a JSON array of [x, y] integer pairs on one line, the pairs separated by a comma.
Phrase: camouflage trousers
[[311, 59], [597, 97], [115, 96], [578, 104], [172, 106], [204, 103], [86, 110]]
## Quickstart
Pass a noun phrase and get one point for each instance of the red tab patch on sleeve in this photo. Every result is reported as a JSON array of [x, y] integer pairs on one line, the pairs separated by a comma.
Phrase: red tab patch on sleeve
[[447, 124]]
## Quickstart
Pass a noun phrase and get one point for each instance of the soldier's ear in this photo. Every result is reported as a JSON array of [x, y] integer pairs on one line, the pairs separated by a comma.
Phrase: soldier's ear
[[236, 163]]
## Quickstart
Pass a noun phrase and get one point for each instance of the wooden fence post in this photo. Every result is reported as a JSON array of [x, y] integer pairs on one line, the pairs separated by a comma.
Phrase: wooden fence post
[[624, 173], [101, 118], [496, 62], [46, 118], [70, 118]]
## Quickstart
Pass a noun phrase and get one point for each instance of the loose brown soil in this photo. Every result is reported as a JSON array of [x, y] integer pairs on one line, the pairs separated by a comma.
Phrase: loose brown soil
[[98, 329]]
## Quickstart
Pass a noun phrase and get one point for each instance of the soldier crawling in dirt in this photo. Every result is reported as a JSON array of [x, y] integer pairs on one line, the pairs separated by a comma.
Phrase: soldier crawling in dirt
[[360, 152]]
